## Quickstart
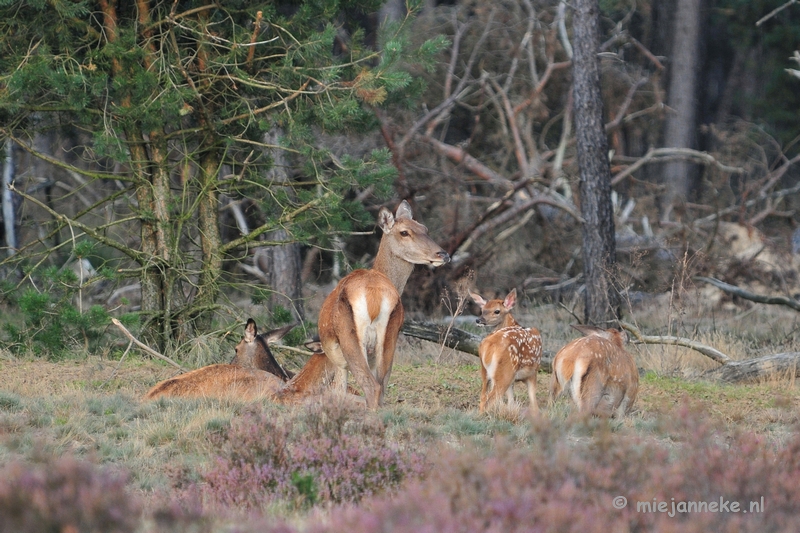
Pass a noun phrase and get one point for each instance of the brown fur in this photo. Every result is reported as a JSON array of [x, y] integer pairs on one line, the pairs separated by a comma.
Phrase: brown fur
[[234, 381], [219, 381], [360, 320], [253, 350], [510, 353], [313, 379], [243, 380], [601, 375]]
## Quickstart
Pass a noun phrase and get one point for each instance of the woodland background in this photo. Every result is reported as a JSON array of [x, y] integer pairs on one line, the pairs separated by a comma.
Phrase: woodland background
[[182, 165], [167, 161]]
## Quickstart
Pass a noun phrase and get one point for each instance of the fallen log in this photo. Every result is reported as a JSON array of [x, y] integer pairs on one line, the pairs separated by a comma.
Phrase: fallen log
[[779, 365], [747, 295]]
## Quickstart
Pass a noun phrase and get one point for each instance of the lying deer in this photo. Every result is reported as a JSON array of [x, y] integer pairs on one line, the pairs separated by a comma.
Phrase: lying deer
[[240, 380], [601, 375], [510, 353], [360, 320], [253, 372]]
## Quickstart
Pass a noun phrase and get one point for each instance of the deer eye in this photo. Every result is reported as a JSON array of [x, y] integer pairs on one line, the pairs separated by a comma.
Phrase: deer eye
[[404, 233], [497, 311]]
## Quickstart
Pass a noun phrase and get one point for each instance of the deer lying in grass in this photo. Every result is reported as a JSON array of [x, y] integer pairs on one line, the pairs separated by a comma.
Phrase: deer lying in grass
[[601, 375], [241, 380], [510, 353], [360, 320], [253, 372]]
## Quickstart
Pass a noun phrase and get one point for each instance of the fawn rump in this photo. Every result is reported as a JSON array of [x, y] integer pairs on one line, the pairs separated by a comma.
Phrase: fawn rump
[[599, 373], [510, 353]]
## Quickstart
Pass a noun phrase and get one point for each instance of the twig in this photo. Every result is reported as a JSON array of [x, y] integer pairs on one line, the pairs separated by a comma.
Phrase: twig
[[708, 351], [759, 298], [119, 364], [681, 153], [774, 12], [145, 347]]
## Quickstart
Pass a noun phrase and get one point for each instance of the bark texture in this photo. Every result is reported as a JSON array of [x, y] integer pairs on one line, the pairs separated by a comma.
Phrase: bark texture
[[599, 248], [679, 176]]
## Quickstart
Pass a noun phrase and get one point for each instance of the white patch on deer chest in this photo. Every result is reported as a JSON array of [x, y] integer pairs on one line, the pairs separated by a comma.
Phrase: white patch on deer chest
[[371, 331]]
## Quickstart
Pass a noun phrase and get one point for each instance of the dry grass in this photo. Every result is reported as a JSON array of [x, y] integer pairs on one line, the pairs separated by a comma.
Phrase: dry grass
[[92, 407]]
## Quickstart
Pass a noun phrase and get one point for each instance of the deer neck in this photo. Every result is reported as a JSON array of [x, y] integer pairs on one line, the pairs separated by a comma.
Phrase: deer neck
[[508, 322], [393, 266]]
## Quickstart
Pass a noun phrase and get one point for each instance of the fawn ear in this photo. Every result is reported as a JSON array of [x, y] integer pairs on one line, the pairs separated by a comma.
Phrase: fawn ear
[[404, 211], [250, 330], [511, 299], [477, 298], [385, 220]]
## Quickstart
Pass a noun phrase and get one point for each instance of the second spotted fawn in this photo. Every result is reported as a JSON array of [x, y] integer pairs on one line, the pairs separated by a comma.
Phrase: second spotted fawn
[[599, 373], [510, 353]]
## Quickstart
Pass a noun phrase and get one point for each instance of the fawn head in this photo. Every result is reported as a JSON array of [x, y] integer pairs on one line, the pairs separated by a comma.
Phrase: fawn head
[[494, 312]]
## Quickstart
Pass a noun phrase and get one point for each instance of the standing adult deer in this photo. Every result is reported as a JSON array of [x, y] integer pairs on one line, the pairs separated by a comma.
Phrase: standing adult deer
[[510, 353], [360, 320], [601, 375]]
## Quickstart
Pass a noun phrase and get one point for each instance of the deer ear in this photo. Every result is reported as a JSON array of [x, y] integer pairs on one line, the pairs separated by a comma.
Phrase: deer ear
[[385, 220], [477, 299], [404, 211], [511, 299], [314, 345], [250, 330], [277, 334]]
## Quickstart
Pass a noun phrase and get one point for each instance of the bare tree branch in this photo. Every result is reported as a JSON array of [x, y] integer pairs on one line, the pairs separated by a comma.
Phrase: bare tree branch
[[708, 351], [145, 347], [663, 154], [747, 295]]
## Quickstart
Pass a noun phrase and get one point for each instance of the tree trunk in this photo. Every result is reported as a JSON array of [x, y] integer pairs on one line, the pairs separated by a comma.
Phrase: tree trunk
[[599, 249], [282, 264], [680, 176], [210, 241], [9, 216]]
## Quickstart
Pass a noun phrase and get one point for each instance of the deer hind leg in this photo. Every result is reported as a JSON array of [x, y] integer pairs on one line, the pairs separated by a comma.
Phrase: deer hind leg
[[503, 382], [484, 387], [531, 382], [607, 402], [354, 353], [383, 368]]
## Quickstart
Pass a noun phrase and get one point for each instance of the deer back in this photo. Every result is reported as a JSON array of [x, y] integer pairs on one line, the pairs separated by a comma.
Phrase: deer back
[[523, 346], [218, 381]]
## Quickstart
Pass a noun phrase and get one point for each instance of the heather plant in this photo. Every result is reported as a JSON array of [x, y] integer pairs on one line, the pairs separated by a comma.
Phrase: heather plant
[[612, 481], [327, 453], [65, 495]]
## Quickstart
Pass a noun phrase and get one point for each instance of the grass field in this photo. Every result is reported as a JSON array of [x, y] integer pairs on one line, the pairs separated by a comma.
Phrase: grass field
[[222, 465]]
